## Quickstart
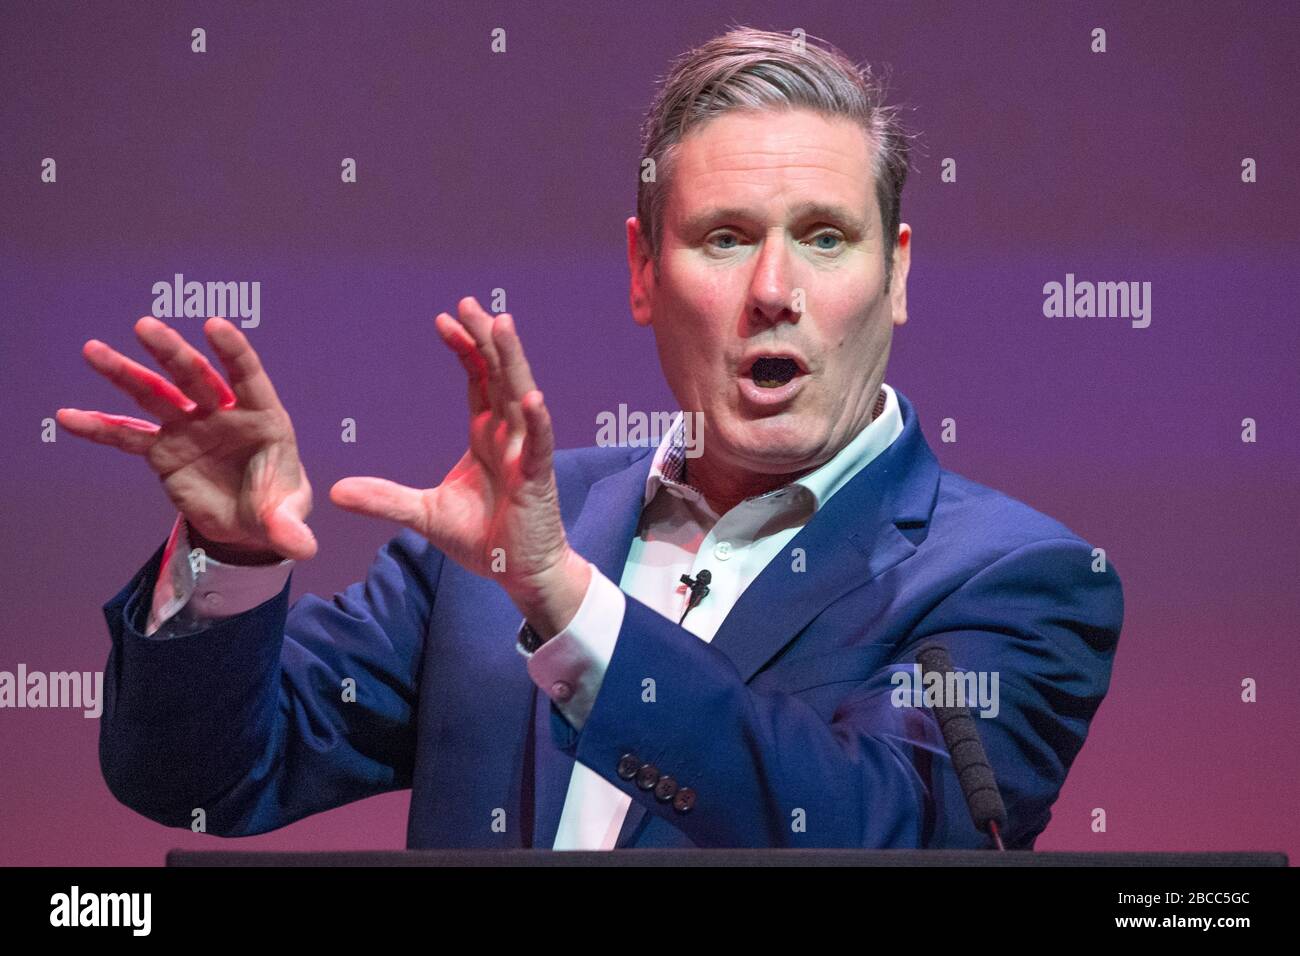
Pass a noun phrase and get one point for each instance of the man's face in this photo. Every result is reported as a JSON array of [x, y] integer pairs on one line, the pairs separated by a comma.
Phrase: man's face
[[772, 250]]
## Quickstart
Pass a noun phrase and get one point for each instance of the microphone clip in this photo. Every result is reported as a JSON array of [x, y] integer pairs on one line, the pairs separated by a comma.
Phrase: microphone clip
[[699, 588]]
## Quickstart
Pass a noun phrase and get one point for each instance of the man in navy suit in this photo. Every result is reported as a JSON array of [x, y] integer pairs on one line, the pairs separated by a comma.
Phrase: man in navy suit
[[536, 655]]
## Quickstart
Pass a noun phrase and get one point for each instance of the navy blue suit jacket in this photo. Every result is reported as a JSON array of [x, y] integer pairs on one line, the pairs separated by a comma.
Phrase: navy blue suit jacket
[[784, 725]]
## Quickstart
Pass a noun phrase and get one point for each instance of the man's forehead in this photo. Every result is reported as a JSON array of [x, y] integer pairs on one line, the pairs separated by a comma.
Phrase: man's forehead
[[741, 164]]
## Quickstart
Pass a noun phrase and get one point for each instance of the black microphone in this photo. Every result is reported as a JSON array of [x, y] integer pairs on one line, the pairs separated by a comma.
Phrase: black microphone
[[978, 784], [699, 587]]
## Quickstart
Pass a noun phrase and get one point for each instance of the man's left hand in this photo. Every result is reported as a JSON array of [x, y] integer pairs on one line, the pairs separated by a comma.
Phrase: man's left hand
[[497, 513]]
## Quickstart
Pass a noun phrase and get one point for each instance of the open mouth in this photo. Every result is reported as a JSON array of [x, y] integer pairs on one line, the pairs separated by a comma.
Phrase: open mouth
[[770, 372]]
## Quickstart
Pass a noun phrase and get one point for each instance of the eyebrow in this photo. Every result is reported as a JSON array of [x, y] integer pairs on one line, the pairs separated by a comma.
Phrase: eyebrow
[[804, 210]]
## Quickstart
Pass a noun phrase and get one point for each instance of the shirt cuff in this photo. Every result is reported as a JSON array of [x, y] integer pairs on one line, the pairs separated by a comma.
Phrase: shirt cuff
[[570, 667], [193, 589]]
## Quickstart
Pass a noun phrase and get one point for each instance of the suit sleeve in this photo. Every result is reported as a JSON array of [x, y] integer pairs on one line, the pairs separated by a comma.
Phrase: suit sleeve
[[766, 769], [186, 599], [273, 714]]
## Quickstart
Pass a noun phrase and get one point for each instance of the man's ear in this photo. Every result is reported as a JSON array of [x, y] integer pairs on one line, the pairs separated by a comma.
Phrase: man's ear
[[641, 271], [898, 279]]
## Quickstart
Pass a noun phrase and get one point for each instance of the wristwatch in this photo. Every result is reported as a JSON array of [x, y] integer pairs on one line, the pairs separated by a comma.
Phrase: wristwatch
[[529, 639]]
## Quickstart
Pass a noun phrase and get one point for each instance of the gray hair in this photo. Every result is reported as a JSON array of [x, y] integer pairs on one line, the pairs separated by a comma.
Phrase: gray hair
[[749, 69]]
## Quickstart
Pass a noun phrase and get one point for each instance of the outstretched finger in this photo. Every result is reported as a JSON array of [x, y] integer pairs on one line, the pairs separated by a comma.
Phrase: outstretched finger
[[539, 440], [479, 323], [251, 385], [381, 498], [151, 391], [188, 367], [516, 375], [132, 435], [462, 343]]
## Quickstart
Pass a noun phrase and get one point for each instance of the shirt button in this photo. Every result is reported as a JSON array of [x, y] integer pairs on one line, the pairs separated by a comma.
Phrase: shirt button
[[561, 690], [212, 598], [722, 550], [684, 800]]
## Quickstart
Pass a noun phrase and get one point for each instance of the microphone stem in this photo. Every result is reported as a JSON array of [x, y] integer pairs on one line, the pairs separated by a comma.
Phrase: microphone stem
[[997, 837]]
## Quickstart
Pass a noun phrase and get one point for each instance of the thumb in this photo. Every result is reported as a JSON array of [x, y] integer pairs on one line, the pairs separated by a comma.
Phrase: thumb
[[289, 534], [381, 498]]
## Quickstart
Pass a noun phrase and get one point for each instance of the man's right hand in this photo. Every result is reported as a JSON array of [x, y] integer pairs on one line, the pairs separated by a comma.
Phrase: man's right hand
[[226, 454]]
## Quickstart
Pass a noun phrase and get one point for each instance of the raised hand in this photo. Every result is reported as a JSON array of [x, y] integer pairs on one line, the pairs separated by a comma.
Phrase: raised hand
[[225, 453], [497, 512]]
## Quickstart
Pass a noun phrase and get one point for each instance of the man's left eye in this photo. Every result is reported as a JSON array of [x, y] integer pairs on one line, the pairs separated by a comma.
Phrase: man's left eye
[[831, 236]]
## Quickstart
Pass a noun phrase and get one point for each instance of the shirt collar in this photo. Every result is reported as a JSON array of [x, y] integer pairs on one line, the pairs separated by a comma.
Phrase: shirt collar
[[668, 470]]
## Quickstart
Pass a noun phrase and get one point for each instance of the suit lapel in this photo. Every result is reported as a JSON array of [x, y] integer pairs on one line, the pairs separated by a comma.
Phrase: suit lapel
[[871, 524], [866, 528]]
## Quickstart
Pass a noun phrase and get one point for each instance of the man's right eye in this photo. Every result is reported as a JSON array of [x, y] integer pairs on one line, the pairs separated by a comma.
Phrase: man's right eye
[[722, 235]]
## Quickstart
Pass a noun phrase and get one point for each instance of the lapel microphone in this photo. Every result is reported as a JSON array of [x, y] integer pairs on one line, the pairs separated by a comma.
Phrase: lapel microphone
[[699, 587]]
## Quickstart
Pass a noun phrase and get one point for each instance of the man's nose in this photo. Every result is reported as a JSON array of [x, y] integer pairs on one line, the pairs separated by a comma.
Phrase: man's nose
[[771, 290]]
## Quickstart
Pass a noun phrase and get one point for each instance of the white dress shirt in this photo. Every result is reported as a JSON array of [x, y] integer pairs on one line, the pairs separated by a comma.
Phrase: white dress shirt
[[192, 591], [678, 534]]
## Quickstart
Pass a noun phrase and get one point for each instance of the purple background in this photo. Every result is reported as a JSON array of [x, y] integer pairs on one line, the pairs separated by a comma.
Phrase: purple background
[[479, 170]]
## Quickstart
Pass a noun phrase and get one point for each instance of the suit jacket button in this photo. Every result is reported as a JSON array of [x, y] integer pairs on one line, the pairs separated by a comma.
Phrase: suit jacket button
[[628, 765], [665, 789], [684, 800], [647, 777]]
